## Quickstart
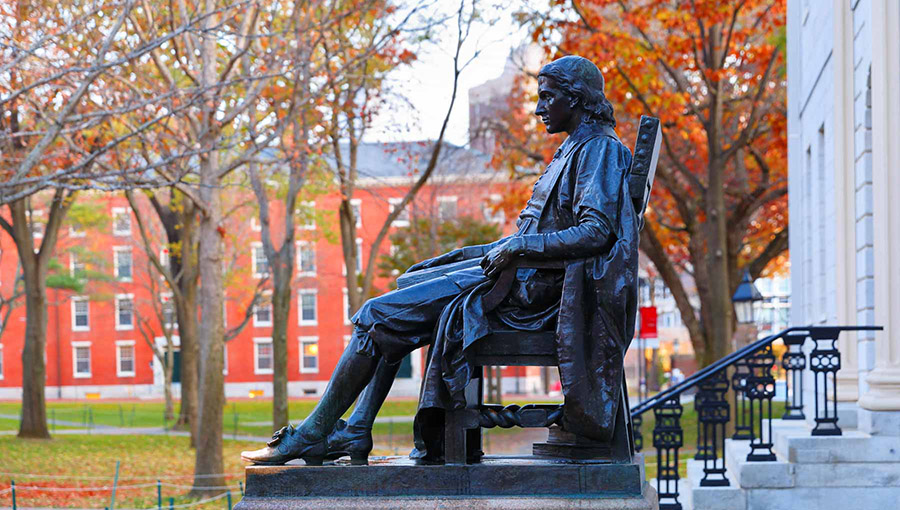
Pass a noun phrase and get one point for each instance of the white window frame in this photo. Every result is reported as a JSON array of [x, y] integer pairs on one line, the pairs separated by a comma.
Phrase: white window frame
[[312, 246], [346, 307], [256, 342], [120, 327], [448, 198], [119, 371], [76, 233], [357, 203], [254, 225], [116, 251], [73, 259], [300, 294], [498, 217], [308, 205], [255, 263], [224, 359], [32, 223], [75, 373], [308, 339], [81, 299], [164, 259], [116, 211], [167, 297], [263, 324], [393, 202]]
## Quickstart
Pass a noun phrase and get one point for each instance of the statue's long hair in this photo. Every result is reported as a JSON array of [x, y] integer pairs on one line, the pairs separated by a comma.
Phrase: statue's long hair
[[579, 78]]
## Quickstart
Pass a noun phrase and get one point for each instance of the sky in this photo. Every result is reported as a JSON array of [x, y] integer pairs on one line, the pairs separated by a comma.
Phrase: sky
[[427, 85]]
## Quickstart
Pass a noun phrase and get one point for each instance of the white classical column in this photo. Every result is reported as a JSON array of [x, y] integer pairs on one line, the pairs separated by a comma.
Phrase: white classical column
[[844, 203], [880, 405]]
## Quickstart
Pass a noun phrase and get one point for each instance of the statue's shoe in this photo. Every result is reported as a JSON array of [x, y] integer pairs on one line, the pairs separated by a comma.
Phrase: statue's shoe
[[350, 440], [288, 444]]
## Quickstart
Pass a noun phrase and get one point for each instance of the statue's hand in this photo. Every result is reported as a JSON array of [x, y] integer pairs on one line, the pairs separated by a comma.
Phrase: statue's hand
[[447, 258], [500, 256]]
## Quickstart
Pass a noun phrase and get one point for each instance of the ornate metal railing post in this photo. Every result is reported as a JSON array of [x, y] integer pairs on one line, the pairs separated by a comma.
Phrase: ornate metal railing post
[[702, 445], [712, 415], [825, 361], [760, 391], [794, 362], [668, 437], [743, 429]]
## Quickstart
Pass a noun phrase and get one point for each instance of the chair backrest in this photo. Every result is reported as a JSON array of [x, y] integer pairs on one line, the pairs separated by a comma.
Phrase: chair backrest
[[643, 164]]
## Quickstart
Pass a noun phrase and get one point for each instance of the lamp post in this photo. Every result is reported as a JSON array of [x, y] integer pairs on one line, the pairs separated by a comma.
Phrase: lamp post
[[745, 298]]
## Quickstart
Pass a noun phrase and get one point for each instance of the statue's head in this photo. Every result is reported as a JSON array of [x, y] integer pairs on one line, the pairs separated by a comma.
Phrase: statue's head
[[570, 91]]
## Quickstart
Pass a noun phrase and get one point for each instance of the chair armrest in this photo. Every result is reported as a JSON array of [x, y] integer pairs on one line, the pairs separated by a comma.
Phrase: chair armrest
[[504, 282]]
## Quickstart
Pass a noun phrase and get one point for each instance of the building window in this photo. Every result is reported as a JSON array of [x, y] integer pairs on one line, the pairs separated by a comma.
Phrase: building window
[[309, 354], [80, 314], [307, 301], [347, 313], [492, 212], [81, 359], [254, 225], [76, 266], [125, 358], [75, 232], [121, 222], [356, 210], [446, 208], [225, 359], [307, 215], [125, 311], [37, 224], [263, 356], [164, 258], [262, 312], [167, 305], [403, 218], [306, 258], [260, 262], [122, 262]]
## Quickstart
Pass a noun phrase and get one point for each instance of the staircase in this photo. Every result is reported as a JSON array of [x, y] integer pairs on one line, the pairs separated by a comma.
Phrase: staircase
[[801, 459]]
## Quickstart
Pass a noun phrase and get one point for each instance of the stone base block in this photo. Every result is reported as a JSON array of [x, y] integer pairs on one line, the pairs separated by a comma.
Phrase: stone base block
[[646, 502], [397, 482], [879, 423], [710, 498]]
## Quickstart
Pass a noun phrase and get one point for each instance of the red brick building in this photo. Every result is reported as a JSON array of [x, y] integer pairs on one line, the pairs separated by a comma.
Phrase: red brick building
[[98, 343]]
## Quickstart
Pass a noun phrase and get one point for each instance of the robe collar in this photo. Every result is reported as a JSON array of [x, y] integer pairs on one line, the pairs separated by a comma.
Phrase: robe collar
[[585, 130]]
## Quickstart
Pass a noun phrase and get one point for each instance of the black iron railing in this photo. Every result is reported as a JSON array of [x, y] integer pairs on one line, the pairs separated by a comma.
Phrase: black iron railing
[[753, 383]]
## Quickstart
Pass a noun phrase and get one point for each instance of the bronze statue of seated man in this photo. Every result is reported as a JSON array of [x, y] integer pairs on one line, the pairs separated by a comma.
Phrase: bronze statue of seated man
[[580, 211]]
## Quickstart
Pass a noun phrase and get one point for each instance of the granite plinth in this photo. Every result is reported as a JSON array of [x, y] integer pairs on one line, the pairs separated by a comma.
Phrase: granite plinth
[[495, 483]]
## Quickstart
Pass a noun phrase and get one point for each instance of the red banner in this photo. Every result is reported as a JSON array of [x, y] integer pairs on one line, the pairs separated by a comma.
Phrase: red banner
[[648, 322]]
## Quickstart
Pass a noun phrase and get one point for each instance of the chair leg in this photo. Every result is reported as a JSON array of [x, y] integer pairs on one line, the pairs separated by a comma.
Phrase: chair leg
[[454, 438]]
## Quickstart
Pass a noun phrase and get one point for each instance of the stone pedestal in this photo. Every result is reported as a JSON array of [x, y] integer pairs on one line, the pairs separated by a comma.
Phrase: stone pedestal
[[495, 483]]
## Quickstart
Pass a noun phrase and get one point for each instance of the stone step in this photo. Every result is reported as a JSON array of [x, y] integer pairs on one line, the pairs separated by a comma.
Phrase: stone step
[[731, 497], [751, 475], [794, 443]]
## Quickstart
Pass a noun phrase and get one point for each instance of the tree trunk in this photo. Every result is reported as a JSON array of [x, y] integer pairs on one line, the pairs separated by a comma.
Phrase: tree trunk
[[281, 307], [168, 369], [208, 465], [34, 374], [186, 310]]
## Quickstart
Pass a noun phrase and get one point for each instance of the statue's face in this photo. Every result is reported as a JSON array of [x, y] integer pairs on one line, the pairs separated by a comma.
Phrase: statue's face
[[554, 107]]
